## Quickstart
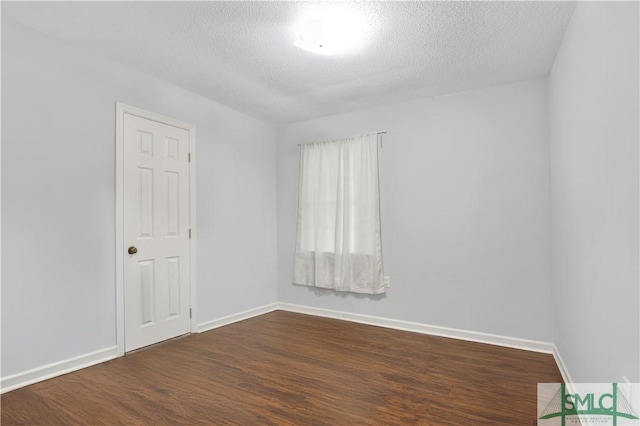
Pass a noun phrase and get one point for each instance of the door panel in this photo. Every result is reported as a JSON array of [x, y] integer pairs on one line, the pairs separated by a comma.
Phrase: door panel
[[156, 223]]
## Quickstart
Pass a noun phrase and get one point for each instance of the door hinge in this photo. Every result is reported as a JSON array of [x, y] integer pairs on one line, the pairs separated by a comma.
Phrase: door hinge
[[189, 232], [189, 157], [190, 313]]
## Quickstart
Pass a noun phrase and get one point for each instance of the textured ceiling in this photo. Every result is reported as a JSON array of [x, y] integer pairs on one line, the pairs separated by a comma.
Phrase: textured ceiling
[[241, 54]]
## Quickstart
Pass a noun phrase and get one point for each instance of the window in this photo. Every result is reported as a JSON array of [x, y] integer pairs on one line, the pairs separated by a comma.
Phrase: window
[[338, 243]]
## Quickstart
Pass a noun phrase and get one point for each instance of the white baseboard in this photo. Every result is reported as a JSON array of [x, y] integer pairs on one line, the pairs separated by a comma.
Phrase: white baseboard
[[561, 365], [56, 369], [230, 319], [59, 368], [72, 364], [472, 336]]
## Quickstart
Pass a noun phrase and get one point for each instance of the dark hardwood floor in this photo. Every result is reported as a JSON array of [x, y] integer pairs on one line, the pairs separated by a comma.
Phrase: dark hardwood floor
[[291, 369]]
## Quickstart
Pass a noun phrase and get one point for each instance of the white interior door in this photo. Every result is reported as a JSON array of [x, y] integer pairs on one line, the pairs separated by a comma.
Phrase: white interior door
[[156, 231]]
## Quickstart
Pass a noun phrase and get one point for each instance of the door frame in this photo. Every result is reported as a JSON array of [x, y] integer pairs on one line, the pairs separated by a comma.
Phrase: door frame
[[121, 110]]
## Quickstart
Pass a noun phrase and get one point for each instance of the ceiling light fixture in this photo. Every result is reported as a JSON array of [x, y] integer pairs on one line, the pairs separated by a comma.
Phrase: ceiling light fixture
[[329, 29]]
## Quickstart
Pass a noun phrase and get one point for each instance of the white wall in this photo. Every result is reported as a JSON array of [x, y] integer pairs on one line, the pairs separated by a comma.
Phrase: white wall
[[465, 210], [58, 126], [593, 97]]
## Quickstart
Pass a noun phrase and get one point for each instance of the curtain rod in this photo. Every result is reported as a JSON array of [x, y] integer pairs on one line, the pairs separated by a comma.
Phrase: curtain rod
[[383, 132]]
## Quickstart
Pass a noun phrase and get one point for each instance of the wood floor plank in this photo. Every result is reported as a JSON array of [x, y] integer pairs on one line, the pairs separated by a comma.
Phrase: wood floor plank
[[284, 368]]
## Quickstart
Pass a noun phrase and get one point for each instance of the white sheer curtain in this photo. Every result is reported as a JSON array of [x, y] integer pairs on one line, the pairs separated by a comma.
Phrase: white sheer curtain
[[338, 241]]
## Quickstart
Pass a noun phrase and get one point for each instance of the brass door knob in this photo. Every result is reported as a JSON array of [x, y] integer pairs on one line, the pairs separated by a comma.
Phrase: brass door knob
[[132, 250]]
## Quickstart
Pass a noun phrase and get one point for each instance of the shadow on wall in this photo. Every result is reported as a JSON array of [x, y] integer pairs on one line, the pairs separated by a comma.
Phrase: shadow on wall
[[325, 292]]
